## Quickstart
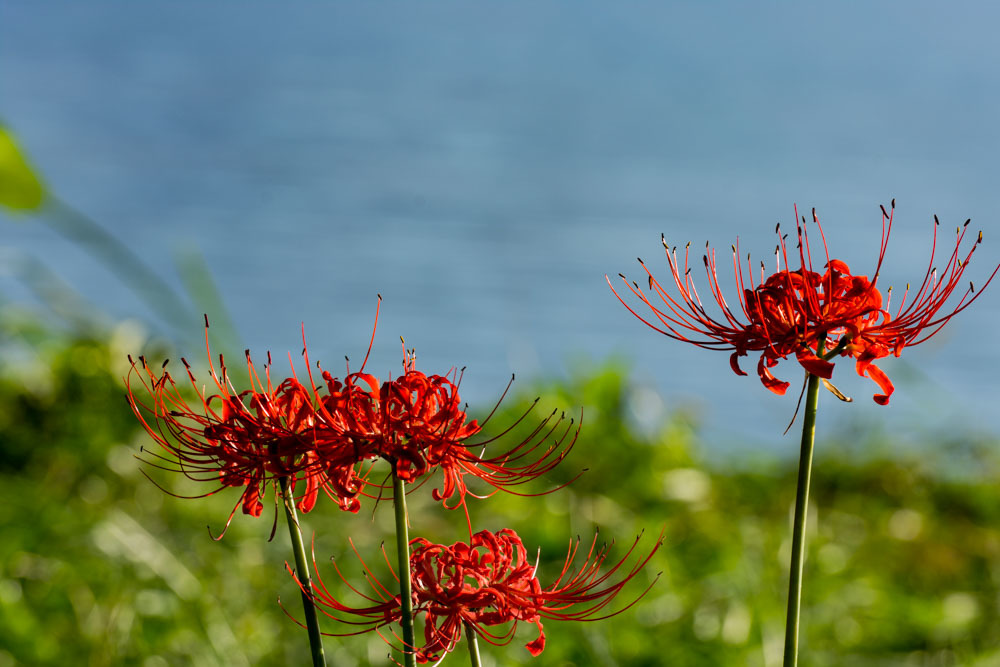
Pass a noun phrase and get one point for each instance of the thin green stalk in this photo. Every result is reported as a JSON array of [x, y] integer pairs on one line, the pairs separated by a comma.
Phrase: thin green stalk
[[470, 639], [799, 524], [302, 571], [403, 562]]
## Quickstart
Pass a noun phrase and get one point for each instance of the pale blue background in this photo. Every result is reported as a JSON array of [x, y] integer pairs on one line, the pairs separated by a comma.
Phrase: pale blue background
[[482, 165]]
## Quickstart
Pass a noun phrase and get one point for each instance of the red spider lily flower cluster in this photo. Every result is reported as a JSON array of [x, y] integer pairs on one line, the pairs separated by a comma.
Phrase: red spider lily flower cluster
[[416, 422], [247, 439], [484, 584], [814, 316], [323, 436], [307, 436]]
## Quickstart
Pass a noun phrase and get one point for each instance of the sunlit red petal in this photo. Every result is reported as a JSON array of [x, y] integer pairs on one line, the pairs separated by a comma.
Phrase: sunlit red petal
[[814, 364], [768, 379], [880, 378], [537, 646]]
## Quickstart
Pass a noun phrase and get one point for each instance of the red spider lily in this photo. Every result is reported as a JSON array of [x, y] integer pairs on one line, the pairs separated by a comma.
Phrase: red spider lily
[[811, 315], [248, 438], [485, 583], [417, 423]]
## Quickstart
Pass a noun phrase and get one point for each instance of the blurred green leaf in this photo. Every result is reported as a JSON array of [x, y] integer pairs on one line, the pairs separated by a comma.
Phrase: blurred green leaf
[[20, 187]]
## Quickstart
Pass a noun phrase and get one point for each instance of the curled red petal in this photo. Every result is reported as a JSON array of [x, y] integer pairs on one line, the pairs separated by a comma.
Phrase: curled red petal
[[538, 645], [308, 501], [876, 374], [814, 364], [734, 363], [769, 381]]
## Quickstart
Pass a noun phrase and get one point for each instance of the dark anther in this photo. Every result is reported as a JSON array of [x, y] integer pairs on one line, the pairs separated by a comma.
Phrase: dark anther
[[816, 219], [972, 288], [186, 364], [967, 221], [650, 283], [893, 204], [936, 221], [206, 320], [622, 276], [640, 260], [884, 213], [777, 227], [165, 362]]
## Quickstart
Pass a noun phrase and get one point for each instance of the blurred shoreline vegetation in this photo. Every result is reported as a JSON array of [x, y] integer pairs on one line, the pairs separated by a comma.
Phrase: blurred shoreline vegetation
[[100, 567]]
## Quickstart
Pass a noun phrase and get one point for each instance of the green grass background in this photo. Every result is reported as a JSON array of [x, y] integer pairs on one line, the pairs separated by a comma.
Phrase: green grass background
[[99, 567]]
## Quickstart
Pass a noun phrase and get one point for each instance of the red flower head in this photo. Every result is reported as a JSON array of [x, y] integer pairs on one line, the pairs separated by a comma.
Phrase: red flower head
[[815, 316], [485, 583], [417, 422], [243, 439]]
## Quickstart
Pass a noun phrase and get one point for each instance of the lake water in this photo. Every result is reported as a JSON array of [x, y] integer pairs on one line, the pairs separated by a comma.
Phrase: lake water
[[483, 165]]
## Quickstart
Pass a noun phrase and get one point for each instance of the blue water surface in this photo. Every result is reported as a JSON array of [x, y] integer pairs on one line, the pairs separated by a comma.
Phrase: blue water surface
[[483, 165]]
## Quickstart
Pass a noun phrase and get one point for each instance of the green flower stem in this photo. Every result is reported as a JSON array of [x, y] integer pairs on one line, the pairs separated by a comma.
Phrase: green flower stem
[[403, 562], [302, 571], [799, 525], [470, 639]]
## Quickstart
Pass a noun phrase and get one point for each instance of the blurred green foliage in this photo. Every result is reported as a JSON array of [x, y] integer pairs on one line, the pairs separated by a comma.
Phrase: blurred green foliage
[[99, 567], [20, 187]]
